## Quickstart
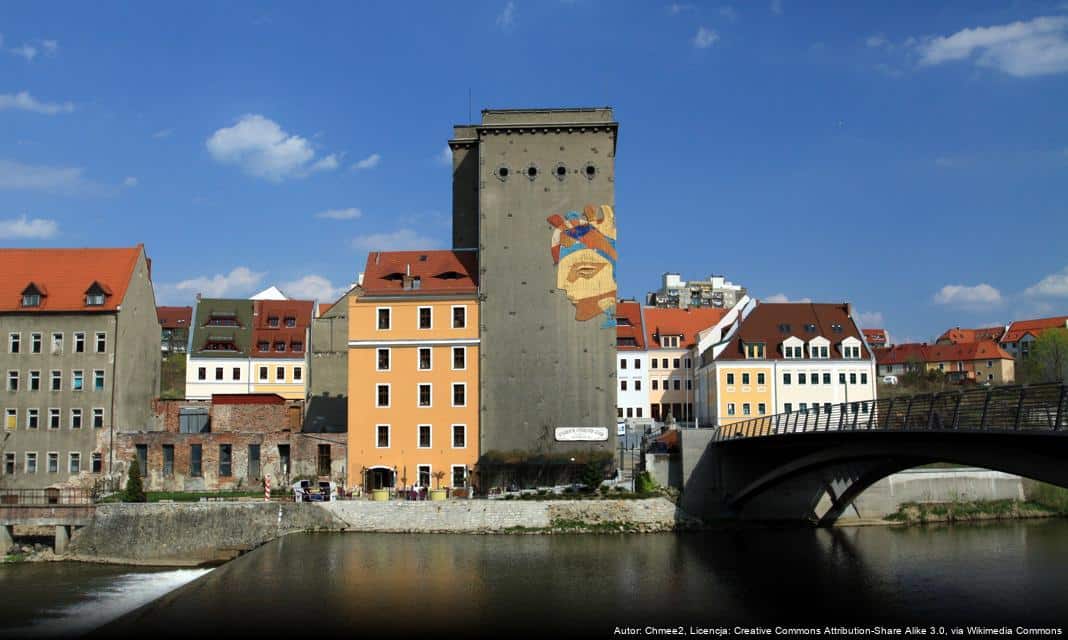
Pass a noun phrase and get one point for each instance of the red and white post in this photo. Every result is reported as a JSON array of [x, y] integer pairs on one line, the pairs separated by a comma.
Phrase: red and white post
[[267, 488]]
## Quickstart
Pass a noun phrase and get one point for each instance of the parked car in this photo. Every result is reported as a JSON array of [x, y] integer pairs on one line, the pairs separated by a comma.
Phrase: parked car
[[889, 379], [306, 491]]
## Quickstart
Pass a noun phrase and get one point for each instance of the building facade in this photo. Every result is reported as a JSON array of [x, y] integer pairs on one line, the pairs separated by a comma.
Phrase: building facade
[[1020, 335], [414, 361], [632, 372], [81, 357], [174, 325], [677, 293], [764, 359], [280, 334], [980, 362], [671, 337], [328, 368], [533, 191]]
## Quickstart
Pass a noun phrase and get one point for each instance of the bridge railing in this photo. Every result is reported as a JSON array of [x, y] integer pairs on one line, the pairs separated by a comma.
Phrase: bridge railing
[[1041, 407], [13, 498]]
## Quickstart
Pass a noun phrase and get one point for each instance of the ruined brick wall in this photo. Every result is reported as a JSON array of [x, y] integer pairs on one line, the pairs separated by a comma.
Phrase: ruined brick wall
[[249, 418]]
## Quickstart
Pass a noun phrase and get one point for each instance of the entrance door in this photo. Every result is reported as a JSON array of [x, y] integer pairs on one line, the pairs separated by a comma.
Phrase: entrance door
[[380, 478], [283, 459], [254, 462]]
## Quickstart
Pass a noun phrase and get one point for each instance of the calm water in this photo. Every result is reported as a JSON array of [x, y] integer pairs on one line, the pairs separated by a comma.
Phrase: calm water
[[353, 585]]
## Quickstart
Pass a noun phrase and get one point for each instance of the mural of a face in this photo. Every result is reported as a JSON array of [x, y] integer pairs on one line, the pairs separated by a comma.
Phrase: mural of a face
[[584, 252]]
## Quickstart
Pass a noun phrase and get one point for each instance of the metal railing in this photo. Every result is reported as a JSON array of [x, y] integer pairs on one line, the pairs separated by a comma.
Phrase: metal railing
[[46, 498], [1040, 407]]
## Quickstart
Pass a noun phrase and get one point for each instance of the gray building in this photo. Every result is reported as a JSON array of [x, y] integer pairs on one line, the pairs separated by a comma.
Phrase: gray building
[[328, 376], [80, 360], [676, 293], [533, 191]]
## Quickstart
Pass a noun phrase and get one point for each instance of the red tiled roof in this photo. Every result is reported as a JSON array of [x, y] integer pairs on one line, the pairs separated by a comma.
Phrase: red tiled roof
[[439, 271], [674, 322], [965, 351], [632, 312], [875, 336], [247, 398], [300, 310], [64, 276], [1020, 328], [762, 325], [902, 354], [956, 334], [174, 317]]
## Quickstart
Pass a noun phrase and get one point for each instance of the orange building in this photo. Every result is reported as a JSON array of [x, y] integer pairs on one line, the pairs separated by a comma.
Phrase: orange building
[[413, 371]]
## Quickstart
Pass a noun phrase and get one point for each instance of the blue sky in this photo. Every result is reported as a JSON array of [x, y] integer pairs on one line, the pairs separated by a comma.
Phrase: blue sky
[[912, 160]]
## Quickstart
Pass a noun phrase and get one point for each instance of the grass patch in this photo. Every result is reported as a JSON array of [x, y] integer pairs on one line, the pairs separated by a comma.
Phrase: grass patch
[[970, 510], [1047, 495], [195, 496], [172, 377], [566, 525]]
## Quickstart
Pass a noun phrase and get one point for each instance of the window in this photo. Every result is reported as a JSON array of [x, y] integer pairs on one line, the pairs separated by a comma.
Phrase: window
[[459, 317], [12, 380], [760, 378], [424, 358], [226, 453], [14, 342], [11, 419], [745, 378], [784, 328], [279, 374], [730, 378], [664, 363], [854, 407], [291, 321], [762, 408], [689, 363], [383, 359], [677, 363], [196, 460], [264, 346], [94, 299], [424, 436], [97, 462], [98, 418], [810, 328], [425, 318], [382, 436], [801, 378], [459, 394], [656, 384], [74, 463], [296, 346], [637, 385], [202, 373], [382, 395], [459, 475], [79, 342], [652, 363], [57, 380], [804, 407], [677, 384], [77, 380], [826, 378], [9, 463], [630, 412], [745, 409], [57, 343], [619, 412], [98, 380], [35, 343], [622, 385], [863, 378], [33, 417], [622, 363], [424, 394], [142, 459], [788, 407], [815, 378], [323, 459], [689, 384], [826, 407], [836, 328], [459, 358], [218, 373], [31, 462], [786, 378], [841, 378], [383, 319], [168, 460], [53, 462], [730, 408], [263, 374], [237, 374], [53, 418], [754, 350], [75, 418], [272, 321], [852, 378], [280, 346], [423, 472], [31, 299], [298, 373], [638, 412]]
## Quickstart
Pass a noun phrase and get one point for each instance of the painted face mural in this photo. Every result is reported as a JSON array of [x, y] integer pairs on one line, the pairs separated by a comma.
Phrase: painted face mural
[[584, 252]]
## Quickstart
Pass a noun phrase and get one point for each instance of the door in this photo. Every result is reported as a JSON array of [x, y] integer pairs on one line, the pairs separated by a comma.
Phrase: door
[[254, 462], [283, 459]]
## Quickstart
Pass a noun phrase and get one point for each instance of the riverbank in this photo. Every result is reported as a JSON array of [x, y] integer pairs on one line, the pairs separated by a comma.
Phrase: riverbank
[[1040, 500]]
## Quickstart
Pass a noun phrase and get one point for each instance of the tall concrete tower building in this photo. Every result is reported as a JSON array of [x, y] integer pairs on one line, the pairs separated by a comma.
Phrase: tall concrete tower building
[[533, 193]]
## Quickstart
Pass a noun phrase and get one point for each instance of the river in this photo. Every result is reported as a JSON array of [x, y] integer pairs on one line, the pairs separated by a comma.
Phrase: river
[[352, 585]]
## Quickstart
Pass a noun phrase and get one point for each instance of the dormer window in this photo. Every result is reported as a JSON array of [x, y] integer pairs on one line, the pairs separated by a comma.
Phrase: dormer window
[[810, 328], [836, 328], [264, 346], [279, 346], [31, 296], [291, 321], [793, 348], [669, 342], [412, 283], [296, 347], [754, 350], [272, 321], [222, 319], [819, 348], [851, 348], [95, 295], [784, 327]]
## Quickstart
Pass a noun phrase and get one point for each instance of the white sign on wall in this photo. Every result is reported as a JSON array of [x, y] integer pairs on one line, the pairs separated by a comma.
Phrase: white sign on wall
[[582, 434]]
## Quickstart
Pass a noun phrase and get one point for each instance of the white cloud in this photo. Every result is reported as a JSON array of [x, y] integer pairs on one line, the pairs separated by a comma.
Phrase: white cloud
[[313, 287], [22, 227], [676, 8], [130, 181], [241, 281], [14, 175], [729, 13], [262, 149], [340, 214], [25, 51], [966, 296], [1053, 285], [399, 240], [50, 47], [1022, 49], [445, 157], [705, 38], [776, 7], [163, 133], [782, 297], [506, 18], [877, 41], [370, 162], [870, 319], [23, 101]]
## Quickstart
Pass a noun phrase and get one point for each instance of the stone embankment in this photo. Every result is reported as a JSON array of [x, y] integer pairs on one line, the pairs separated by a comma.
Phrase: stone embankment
[[182, 534]]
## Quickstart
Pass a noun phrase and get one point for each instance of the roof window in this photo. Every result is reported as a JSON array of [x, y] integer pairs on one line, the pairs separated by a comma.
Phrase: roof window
[[836, 328], [810, 328], [784, 327], [31, 295]]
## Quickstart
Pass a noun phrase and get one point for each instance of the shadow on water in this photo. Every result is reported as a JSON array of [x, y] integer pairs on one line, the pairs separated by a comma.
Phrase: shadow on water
[[336, 584]]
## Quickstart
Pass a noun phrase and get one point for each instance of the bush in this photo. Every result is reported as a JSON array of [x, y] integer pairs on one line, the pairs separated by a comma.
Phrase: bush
[[591, 476], [644, 483], [135, 491]]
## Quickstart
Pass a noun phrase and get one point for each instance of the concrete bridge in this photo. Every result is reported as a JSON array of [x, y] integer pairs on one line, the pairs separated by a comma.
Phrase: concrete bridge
[[64, 509], [810, 466]]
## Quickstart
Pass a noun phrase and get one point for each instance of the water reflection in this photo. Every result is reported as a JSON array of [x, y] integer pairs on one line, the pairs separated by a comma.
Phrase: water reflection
[[345, 584]]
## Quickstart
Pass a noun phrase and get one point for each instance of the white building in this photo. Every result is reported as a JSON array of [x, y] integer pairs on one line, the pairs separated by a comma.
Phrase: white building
[[675, 292]]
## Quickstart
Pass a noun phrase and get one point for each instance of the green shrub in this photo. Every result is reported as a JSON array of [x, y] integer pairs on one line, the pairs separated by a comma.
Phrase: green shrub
[[135, 491], [591, 476], [644, 483]]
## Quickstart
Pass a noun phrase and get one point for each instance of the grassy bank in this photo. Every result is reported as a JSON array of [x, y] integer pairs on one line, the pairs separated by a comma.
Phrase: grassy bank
[[1041, 501]]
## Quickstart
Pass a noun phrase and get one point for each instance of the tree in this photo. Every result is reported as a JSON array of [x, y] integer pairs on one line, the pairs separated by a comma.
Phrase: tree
[[135, 492], [1048, 359], [592, 475], [439, 475]]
